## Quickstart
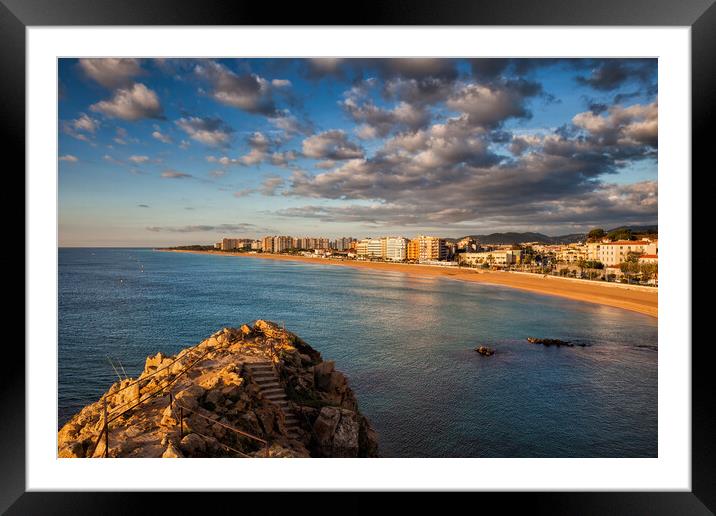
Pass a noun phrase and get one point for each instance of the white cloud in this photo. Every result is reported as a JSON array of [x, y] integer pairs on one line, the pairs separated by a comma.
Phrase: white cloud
[[111, 72], [210, 131], [164, 138], [132, 103]]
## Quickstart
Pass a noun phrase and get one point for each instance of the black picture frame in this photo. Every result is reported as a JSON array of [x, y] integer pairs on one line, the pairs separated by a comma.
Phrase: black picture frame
[[699, 15]]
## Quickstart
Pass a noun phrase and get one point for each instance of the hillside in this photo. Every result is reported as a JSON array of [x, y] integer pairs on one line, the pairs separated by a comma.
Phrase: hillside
[[517, 238]]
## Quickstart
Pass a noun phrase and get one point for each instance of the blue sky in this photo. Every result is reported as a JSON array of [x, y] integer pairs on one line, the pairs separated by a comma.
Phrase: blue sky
[[181, 151]]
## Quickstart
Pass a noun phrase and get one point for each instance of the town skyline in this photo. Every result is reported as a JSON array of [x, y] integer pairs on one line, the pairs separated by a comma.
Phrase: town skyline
[[183, 151]]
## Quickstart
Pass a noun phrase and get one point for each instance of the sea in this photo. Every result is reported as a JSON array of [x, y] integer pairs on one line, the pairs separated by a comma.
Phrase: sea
[[406, 344]]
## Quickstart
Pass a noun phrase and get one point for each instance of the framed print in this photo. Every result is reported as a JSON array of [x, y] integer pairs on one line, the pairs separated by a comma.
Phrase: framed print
[[411, 251]]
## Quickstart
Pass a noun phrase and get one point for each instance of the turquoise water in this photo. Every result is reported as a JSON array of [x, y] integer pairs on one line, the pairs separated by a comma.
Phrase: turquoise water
[[404, 342]]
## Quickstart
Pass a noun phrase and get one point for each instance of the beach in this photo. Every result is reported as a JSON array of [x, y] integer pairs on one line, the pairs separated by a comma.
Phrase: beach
[[643, 300]]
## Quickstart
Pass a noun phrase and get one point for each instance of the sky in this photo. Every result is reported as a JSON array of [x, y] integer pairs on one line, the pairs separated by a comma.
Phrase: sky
[[187, 151]]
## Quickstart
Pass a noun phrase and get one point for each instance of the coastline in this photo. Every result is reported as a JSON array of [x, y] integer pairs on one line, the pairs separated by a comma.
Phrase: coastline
[[632, 298]]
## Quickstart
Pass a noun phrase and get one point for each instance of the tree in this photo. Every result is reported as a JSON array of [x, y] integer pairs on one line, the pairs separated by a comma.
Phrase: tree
[[620, 234], [596, 235]]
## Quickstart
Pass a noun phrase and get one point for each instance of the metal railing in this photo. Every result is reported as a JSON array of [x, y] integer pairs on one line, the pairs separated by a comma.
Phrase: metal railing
[[110, 416]]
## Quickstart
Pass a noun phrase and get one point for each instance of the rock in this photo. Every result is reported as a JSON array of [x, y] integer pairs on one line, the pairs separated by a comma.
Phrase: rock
[[153, 363], [367, 439], [213, 399], [485, 351], [192, 445], [218, 389], [72, 450], [337, 432], [172, 452], [322, 374], [549, 342]]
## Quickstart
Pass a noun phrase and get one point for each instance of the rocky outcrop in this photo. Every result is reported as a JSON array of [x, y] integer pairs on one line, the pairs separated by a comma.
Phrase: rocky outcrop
[[485, 351], [549, 342], [213, 400]]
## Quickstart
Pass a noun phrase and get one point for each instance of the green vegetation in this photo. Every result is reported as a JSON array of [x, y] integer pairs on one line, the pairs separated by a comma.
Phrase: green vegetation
[[632, 269], [596, 235], [621, 234]]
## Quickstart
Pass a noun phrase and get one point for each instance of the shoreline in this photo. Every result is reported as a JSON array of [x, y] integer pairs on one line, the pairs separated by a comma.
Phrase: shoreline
[[632, 298]]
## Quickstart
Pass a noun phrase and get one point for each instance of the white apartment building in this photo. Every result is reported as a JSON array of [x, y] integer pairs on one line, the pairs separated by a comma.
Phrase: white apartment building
[[614, 253], [396, 248], [371, 247], [282, 243], [572, 254], [505, 257]]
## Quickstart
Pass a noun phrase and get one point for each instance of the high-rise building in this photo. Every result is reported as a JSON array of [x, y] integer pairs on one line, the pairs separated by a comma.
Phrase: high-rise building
[[371, 247], [396, 248], [282, 243], [267, 244], [427, 248]]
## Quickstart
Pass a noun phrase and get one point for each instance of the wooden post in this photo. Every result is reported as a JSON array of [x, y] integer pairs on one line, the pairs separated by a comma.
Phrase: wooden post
[[181, 423], [106, 430]]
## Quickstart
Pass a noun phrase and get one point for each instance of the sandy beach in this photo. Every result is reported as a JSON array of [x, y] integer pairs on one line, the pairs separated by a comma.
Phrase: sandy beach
[[637, 299]]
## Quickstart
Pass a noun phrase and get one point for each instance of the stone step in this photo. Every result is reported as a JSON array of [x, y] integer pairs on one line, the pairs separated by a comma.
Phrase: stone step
[[256, 366], [266, 378], [268, 390], [268, 384], [275, 397]]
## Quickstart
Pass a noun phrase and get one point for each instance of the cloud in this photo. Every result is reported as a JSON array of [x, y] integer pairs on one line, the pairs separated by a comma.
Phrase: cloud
[[69, 157], [378, 122], [449, 174], [248, 92], [356, 68], [289, 124], [173, 174], [333, 145], [217, 173], [143, 206], [259, 145], [489, 106], [609, 74], [138, 159], [213, 132], [627, 127], [131, 104], [164, 138], [271, 185], [244, 192], [111, 72], [81, 128], [202, 228]]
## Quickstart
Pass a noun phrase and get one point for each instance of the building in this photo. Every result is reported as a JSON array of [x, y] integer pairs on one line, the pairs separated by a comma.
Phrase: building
[[424, 248], [614, 253], [572, 254], [396, 248], [267, 244], [497, 257], [343, 243], [649, 258], [282, 243], [371, 247], [230, 244]]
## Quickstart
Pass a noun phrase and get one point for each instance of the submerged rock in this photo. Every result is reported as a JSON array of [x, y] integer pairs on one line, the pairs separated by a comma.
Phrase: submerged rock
[[549, 342], [257, 390], [485, 351]]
